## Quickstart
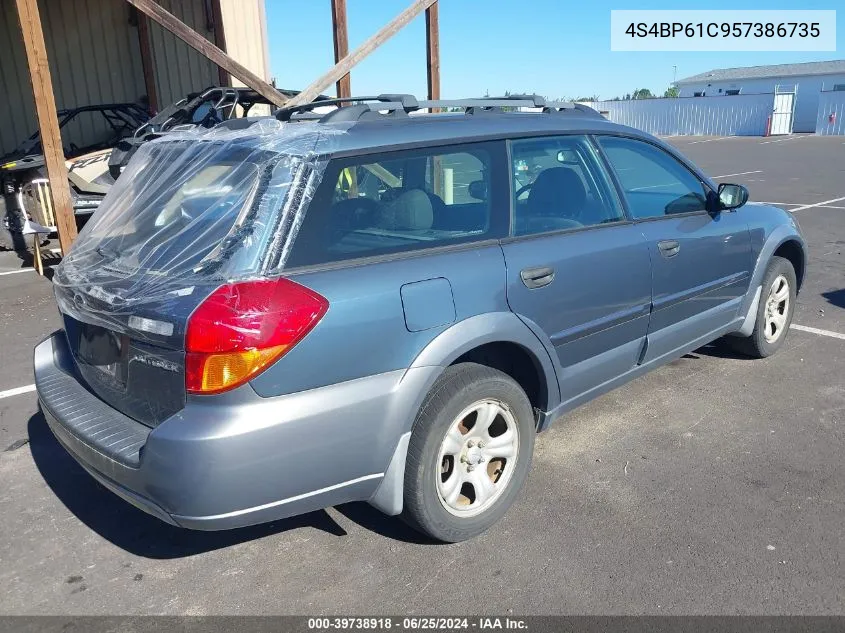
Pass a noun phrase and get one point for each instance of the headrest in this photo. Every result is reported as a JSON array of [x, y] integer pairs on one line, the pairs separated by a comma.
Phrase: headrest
[[410, 211], [557, 192]]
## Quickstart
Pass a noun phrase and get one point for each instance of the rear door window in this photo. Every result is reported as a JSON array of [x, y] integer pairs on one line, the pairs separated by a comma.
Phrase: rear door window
[[402, 201]]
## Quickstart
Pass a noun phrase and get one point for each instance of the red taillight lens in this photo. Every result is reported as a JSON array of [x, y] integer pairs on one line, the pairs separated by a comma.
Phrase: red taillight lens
[[241, 328]]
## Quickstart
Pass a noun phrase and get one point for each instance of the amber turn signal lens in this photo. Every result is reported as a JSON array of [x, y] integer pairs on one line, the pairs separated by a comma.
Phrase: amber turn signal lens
[[219, 372]]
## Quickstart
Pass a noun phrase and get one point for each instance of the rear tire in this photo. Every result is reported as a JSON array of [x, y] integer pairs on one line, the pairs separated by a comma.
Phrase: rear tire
[[469, 454], [774, 311]]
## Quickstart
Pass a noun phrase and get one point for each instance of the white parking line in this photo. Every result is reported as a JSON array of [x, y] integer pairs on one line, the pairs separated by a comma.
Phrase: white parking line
[[742, 173], [815, 330], [14, 272], [710, 140], [16, 391], [781, 140], [817, 204]]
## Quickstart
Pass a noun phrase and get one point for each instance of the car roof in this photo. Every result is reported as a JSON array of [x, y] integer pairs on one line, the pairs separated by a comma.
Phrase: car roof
[[448, 129], [394, 121]]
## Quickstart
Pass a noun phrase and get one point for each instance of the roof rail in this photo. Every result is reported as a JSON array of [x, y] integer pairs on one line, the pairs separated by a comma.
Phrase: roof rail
[[470, 106], [384, 102], [403, 104]]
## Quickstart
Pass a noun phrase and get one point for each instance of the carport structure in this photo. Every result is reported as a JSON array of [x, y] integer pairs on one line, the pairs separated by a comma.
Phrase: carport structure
[[210, 59]]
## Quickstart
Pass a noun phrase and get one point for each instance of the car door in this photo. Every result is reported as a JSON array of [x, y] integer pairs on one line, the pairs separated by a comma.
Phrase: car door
[[701, 259], [578, 270]]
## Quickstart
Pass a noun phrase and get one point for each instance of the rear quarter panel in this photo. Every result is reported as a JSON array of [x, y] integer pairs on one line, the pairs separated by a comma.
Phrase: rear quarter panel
[[367, 329]]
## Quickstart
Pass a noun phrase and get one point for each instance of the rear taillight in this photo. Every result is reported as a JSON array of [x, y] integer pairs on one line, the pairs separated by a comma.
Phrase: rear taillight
[[242, 328]]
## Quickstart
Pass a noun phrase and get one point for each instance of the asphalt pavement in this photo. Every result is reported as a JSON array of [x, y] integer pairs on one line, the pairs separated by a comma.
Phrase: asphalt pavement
[[714, 485]]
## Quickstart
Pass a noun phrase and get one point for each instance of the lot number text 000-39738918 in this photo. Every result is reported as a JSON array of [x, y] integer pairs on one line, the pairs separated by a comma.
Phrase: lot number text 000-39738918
[[728, 30]]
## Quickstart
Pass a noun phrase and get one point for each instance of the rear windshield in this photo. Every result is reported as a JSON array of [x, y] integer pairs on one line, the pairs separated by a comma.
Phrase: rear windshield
[[179, 206], [196, 208]]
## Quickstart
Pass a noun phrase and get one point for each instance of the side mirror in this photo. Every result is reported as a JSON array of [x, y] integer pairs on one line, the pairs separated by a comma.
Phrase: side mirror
[[732, 196], [478, 190]]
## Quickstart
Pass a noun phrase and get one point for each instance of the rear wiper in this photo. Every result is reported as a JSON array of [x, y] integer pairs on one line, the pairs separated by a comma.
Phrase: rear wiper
[[106, 254]]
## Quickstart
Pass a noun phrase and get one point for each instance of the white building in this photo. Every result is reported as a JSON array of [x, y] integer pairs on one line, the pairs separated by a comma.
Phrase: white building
[[806, 79]]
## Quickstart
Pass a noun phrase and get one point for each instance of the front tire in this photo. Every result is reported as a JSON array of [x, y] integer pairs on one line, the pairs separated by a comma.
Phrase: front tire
[[469, 454], [774, 312]]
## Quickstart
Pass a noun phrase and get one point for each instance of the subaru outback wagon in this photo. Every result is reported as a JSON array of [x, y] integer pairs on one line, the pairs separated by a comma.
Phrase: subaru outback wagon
[[385, 304]]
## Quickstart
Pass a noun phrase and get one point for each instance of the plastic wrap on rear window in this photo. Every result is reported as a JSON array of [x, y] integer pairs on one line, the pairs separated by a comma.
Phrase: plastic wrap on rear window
[[197, 207]]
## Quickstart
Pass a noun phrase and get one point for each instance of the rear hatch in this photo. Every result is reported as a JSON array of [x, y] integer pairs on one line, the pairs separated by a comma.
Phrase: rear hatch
[[188, 215]]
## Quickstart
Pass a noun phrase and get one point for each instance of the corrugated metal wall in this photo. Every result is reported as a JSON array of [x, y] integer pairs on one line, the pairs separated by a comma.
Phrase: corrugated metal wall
[[245, 27], [94, 58], [831, 103], [18, 120], [179, 69], [740, 115]]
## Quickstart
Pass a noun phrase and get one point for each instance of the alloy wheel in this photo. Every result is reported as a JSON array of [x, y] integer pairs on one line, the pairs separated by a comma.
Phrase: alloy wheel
[[776, 309], [477, 458]]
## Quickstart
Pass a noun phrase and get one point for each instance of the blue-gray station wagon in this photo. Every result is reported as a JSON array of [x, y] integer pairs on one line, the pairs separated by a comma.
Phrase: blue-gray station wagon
[[386, 302]]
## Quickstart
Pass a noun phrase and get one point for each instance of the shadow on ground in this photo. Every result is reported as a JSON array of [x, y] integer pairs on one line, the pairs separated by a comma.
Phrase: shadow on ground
[[394, 528], [836, 297], [126, 526], [720, 348], [144, 535], [27, 260]]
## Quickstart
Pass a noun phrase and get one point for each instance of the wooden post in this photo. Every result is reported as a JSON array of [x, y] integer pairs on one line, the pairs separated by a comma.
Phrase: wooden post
[[219, 39], [209, 50], [341, 44], [48, 119], [432, 56], [432, 44], [345, 65], [147, 64]]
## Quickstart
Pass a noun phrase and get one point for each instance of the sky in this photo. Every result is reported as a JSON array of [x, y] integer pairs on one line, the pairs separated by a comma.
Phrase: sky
[[556, 48]]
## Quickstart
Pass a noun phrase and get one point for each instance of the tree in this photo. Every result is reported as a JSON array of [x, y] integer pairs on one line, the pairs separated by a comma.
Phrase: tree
[[672, 92], [642, 93]]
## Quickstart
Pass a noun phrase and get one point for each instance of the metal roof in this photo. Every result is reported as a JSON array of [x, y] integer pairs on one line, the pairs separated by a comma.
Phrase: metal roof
[[777, 70]]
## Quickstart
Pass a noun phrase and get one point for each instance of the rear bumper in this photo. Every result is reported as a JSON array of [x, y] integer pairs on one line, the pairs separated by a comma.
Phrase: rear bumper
[[234, 459]]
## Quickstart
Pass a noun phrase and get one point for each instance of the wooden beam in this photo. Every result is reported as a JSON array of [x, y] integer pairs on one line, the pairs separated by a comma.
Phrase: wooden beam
[[219, 40], [345, 65], [196, 41], [432, 45], [341, 44], [147, 63], [48, 119]]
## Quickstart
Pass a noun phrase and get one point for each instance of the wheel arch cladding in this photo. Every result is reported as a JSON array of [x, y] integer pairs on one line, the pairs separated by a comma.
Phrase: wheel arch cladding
[[500, 340], [517, 362], [486, 336], [791, 250]]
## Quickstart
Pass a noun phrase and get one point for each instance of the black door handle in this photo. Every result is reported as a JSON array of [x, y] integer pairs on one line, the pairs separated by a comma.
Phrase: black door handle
[[537, 277], [669, 248]]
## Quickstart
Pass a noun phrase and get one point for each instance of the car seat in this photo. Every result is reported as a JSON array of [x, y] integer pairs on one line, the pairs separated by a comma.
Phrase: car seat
[[555, 202]]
